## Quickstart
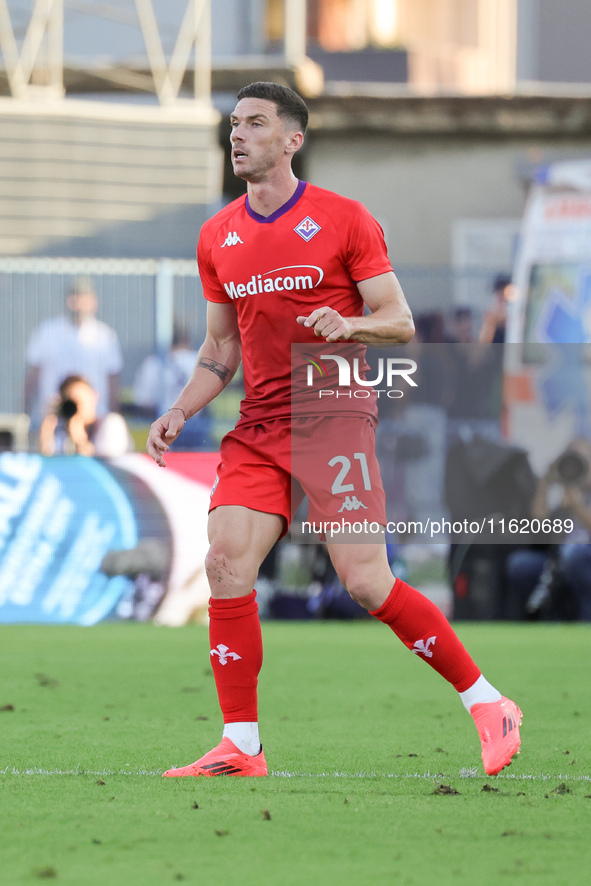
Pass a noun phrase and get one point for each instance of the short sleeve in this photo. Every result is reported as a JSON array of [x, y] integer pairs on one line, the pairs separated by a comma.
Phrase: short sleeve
[[366, 254], [212, 288]]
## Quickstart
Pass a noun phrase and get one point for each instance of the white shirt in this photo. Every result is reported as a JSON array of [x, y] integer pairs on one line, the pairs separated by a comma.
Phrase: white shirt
[[59, 348], [159, 380]]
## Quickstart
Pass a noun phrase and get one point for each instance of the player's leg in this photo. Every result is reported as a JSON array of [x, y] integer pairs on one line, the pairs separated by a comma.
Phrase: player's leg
[[240, 539], [422, 627]]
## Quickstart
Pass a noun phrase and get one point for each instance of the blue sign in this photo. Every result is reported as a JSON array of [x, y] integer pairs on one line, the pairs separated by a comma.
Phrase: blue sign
[[58, 518]]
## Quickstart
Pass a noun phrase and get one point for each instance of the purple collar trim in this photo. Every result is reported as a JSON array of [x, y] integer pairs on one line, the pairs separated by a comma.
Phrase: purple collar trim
[[269, 219]]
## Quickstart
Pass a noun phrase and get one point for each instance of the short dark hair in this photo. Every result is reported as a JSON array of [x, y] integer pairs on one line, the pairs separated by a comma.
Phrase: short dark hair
[[289, 103], [501, 281], [69, 381]]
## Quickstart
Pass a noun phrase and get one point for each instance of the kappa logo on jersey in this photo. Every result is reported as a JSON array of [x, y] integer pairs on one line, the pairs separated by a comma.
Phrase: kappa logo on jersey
[[351, 503], [302, 277], [232, 239], [421, 647], [307, 228], [223, 653]]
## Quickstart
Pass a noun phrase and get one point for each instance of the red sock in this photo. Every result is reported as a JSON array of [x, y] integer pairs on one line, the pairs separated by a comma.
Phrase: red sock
[[425, 630], [236, 655]]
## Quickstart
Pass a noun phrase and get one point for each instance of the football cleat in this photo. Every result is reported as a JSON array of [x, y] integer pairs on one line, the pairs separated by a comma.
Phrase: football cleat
[[498, 725], [225, 759]]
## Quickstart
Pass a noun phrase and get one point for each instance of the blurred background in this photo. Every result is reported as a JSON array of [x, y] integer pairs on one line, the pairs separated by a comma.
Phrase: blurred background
[[443, 117]]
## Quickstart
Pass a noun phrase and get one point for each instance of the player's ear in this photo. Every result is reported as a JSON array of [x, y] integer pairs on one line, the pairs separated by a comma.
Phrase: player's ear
[[293, 141]]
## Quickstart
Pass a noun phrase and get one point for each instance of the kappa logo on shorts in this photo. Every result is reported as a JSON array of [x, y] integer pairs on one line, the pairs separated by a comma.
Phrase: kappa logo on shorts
[[307, 228], [351, 503]]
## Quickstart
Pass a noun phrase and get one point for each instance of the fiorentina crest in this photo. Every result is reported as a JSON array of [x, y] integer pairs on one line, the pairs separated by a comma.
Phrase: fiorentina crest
[[307, 228]]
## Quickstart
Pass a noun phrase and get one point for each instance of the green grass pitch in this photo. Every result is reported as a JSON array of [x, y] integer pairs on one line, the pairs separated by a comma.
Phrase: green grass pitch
[[358, 735]]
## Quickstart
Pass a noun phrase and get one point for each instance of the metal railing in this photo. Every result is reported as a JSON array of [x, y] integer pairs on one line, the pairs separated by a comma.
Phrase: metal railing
[[143, 299], [140, 299]]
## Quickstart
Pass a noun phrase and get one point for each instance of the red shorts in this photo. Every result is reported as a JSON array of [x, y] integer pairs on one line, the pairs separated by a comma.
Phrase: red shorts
[[270, 467]]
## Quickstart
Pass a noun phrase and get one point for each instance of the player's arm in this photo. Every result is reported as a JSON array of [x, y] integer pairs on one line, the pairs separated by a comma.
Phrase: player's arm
[[388, 323], [217, 361]]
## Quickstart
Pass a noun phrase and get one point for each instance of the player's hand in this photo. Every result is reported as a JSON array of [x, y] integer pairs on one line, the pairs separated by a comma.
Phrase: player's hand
[[163, 432], [328, 324]]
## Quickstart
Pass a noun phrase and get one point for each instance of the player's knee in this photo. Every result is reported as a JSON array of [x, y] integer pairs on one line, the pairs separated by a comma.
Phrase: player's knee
[[360, 589], [367, 585], [218, 566], [363, 596], [230, 574]]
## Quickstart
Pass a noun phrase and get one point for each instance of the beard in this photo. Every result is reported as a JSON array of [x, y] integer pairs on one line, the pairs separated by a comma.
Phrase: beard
[[255, 170]]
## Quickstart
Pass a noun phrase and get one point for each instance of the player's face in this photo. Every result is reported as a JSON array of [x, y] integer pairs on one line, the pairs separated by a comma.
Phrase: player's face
[[260, 139]]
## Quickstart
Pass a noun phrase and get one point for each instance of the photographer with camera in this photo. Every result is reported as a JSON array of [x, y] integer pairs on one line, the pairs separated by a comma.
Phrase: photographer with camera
[[554, 580], [74, 343], [72, 426]]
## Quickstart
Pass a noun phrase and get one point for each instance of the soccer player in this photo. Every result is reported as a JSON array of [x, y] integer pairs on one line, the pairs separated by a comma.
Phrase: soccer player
[[291, 263]]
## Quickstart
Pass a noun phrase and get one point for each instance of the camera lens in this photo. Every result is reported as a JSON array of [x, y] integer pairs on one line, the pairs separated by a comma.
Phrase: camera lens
[[67, 409], [571, 467]]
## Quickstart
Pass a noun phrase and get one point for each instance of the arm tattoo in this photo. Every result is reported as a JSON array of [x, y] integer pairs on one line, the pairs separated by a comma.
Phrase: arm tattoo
[[217, 368]]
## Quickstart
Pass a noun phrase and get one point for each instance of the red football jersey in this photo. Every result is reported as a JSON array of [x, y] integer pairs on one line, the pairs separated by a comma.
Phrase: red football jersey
[[309, 253]]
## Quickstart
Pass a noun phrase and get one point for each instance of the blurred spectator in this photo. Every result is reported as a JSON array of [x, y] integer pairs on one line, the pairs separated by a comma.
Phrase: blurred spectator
[[495, 321], [158, 383], [75, 343], [477, 381], [462, 328], [429, 327], [160, 379], [555, 580], [72, 426]]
